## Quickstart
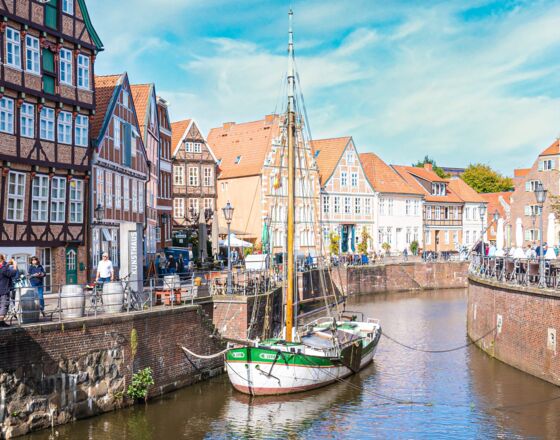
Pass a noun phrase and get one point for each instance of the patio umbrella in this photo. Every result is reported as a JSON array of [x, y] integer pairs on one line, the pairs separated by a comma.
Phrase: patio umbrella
[[518, 253], [500, 238], [235, 242], [202, 236], [550, 237], [265, 238], [215, 236]]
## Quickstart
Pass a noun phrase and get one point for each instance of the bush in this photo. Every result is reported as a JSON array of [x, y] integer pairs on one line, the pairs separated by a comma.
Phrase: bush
[[141, 382], [414, 247]]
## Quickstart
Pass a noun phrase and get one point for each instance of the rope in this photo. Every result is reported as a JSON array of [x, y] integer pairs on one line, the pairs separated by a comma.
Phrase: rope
[[437, 351], [200, 356]]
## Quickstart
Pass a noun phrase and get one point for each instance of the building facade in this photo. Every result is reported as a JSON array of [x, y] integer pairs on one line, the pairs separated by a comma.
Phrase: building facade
[[164, 200], [347, 197], [194, 176], [397, 206], [475, 215], [47, 96], [119, 170]]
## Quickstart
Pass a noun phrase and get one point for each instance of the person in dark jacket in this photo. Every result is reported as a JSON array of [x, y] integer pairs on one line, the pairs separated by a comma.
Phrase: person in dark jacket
[[37, 276], [171, 264], [7, 276]]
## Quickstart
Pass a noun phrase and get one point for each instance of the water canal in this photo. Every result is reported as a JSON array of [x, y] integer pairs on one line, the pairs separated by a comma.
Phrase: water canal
[[460, 394]]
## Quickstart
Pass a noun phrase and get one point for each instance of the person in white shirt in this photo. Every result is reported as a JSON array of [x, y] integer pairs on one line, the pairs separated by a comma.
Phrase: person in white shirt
[[105, 272]]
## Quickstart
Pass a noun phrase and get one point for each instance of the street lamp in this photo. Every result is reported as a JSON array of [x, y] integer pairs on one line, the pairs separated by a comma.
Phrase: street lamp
[[99, 213], [540, 195], [482, 213], [267, 246], [228, 215]]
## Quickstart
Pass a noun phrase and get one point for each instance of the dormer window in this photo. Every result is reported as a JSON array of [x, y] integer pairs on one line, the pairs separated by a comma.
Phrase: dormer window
[[438, 189], [237, 160], [350, 157]]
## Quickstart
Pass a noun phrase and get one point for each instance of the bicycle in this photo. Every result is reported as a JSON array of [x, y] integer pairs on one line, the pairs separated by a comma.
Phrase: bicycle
[[96, 296], [134, 298]]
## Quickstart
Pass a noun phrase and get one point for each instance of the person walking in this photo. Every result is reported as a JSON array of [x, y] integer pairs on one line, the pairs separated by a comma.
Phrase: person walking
[[405, 254], [180, 264], [8, 274], [171, 265], [37, 276], [105, 271]]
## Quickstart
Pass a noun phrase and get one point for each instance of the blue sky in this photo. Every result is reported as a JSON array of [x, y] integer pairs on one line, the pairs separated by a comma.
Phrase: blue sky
[[462, 81]]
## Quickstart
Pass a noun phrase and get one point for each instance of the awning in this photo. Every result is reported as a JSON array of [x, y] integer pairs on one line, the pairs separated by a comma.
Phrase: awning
[[106, 234]]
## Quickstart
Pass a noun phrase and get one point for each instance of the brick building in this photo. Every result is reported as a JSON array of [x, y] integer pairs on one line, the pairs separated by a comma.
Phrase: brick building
[[164, 200], [499, 202], [473, 204], [347, 196], [119, 170], [47, 96]]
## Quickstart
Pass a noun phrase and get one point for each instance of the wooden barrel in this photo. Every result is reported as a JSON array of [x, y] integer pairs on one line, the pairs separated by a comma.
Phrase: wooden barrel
[[72, 301], [113, 297], [171, 282], [27, 300]]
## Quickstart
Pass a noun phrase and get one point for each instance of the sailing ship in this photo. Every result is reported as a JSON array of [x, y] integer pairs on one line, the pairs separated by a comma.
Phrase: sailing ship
[[324, 351]]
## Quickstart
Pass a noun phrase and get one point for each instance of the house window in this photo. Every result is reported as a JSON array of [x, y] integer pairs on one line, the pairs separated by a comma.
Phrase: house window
[[118, 192], [68, 6], [193, 176], [64, 127], [390, 207], [207, 176], [188, 148], [416, 233], [437, 213], [336, 204], [134, 195], [108, 189], [467, 237], [46, 262], [32, 54], [408, 236], [116, 133], [546, 165], [83, 71], [81, 130], [209, 204], [354, 180], [140, 197], [456, 210], [347, 205], [237, 160], [58, 199], [40, 199], [193, 205], [446, 237], [326, 204], [46, 122], [343, 178], [65, 66], [417, 207], [350, 157], [99, 187], [438, 189], [367, 205], [76, 201], [126, 193], [531, 185], [428, 212], [125, 98], [27, 120], [381, 206], [179, 175], [197, 148], [408, 207], [13, 48], [16, 196], [7, 115], [357, 205]]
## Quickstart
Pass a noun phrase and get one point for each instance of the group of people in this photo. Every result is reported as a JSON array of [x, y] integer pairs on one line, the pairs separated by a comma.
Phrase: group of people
[[168, 265]]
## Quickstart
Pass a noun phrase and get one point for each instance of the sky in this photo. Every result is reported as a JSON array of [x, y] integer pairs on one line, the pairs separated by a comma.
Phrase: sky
[[461, 81]]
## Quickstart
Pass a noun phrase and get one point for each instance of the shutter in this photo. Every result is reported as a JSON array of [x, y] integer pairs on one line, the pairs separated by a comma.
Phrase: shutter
[[527, 210], [527, 235], [48, 61], [540, 165], [528, 186], [51, 14], [48, 84], [127, 134]]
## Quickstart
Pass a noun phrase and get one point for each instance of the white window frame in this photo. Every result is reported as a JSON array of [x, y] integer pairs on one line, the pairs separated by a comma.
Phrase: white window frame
[[118, 191], [367, 206], [16, 196], [207, 179], [179, 208], [354, 180], [126, 193], [58, 200], [32, 55], [336, 204], [116, 133], [179, 175], [347, 205], [68, 7], [27, 120], [65, 66], [197, 147], [357, 205], [141, 202], [83, 67], [343, 178], [100, 185], [64, 128], [193, 176], [46, 124], [7, 115], [108, 189], [81, 131], [13, 48], [40, 198], [76, 201], [326, 204], [125, 98], [134, 195], [193, 203]]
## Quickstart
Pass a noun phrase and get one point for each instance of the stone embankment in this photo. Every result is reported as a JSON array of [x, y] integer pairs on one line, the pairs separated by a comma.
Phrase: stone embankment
[[517, 325]]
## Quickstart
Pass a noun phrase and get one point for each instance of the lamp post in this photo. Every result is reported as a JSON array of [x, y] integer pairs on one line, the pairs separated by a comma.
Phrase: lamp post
[[267, 247], [99, 213], [482, 212], [228, 215], [540, 195]]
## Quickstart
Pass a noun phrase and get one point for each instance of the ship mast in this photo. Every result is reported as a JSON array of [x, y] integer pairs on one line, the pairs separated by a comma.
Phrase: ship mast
[[291, 185]]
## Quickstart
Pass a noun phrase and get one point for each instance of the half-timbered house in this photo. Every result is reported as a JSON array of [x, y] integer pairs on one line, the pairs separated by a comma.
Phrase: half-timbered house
[[47, 96], [119, 170], [164, 203]]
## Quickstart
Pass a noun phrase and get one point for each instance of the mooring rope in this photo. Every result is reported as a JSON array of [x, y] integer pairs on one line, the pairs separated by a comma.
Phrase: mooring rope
[[200, 356]]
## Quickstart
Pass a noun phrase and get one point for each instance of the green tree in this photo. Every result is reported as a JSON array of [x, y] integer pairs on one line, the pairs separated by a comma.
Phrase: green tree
[[363, 245], [438, 170], [334, 243], [484, 179]]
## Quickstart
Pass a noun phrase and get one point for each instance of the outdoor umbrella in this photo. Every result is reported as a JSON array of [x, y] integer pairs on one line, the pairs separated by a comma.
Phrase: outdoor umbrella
[[518, 253], [202, 236], [550, 238], [265, 238], [215, 236], [500, 238], [235, 242]]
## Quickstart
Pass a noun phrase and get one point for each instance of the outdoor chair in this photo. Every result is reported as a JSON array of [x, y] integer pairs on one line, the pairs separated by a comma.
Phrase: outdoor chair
[[510, 271]]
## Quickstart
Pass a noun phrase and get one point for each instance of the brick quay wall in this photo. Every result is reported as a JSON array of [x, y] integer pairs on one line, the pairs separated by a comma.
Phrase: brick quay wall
[[522, 323], [58, 372]]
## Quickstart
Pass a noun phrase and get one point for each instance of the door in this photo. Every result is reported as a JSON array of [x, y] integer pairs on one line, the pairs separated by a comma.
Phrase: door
[[71, 265]]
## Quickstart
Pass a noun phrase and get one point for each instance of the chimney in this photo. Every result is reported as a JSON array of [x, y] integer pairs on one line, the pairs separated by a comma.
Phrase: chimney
[[269, 119], [228, 125], [428, 166]]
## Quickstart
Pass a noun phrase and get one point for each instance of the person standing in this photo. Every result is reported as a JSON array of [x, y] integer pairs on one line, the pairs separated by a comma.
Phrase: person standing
[[7, 276], [37, 276], [105, 271], [171, 265]]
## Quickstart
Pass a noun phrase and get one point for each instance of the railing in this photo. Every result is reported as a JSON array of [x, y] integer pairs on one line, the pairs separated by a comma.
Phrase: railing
[[245, 282], [517, 271]]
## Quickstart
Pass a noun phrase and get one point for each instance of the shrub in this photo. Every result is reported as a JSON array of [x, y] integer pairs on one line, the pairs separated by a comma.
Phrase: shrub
[[141, 382]]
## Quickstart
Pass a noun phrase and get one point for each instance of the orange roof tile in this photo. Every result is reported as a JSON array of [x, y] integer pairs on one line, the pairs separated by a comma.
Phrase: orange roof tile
[[408, 173], [385, 179], [552, 150], [496, 202], [464, 191], [141, 97], [104, 89], [250, 141], [177, 132], [425, 174], [521, 172], [328, 153]]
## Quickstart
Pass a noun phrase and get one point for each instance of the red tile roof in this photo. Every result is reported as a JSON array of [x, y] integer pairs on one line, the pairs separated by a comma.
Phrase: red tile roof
[[177, 132], [141, 97], [552, 150], [521, 172], [104, 89], [385, 179], [464, 191], [328, 153], [408, 173], [496, 202], [250, 141]]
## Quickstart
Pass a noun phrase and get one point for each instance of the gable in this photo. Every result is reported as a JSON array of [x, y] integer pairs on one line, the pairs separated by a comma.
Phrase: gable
[[89, 31]]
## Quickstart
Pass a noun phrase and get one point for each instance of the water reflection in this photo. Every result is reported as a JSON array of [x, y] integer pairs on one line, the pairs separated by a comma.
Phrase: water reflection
[[461, 394]]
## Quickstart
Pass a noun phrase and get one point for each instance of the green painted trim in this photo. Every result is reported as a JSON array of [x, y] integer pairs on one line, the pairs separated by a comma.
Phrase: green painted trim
[[268, 356], [87, 20]]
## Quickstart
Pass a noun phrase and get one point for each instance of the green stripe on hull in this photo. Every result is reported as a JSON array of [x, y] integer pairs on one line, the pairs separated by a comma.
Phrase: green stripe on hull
[[269, 356]]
